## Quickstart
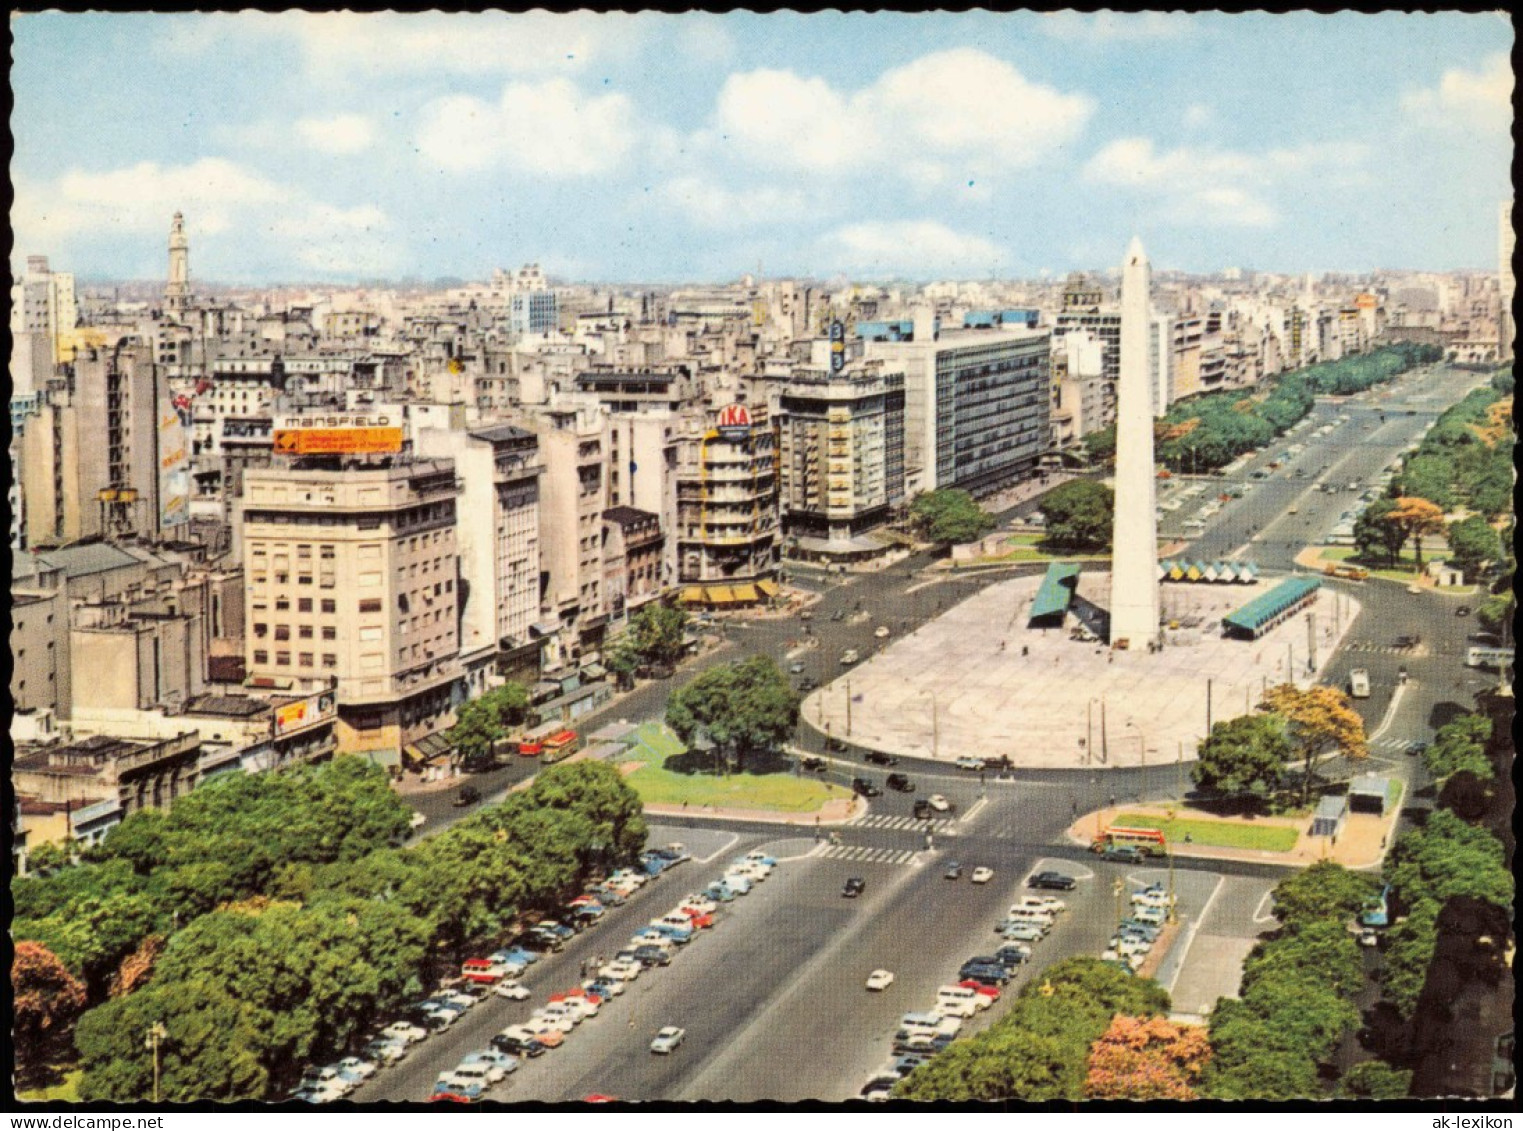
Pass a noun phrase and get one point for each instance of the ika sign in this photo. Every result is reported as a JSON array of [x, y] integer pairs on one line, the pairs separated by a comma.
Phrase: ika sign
[[338, 433], [734, 422]]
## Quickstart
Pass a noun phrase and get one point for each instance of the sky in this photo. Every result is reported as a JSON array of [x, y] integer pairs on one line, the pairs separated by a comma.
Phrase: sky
[[698, 147]]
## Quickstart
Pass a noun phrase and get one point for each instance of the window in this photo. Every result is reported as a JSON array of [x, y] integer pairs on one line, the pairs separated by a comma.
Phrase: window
[[329, 605], [304, 551], [330, 660], [370, 605], [261, 629], [282, 632], [282, 579], [304, 604], [370, 632], [304, 631], [283, 659], [282, 604], [326, 553], [260, 578], [261, 656], [303, 579], [369, 580], [329, 632]]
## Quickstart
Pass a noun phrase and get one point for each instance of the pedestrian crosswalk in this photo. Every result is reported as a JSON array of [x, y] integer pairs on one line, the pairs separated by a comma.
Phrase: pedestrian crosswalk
[[865, 855], [884, 821], [1371, 648], [1393, 745]]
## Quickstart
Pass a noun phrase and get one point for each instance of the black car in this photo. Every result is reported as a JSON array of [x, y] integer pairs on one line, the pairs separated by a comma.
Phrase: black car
[[515, 1046], [649, 956], [1053, 881], [838, 615], [954, 871], [808, 683], [991, 974], [922, 810], [854, 887], [1012, 955], [900, 783], [878, 758], [865, 788], [468, 795], [816, 765], [835, 746], [1462, 611]]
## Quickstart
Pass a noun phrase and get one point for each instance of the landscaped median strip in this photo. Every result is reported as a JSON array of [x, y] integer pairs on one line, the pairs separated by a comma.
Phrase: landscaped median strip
[[1215, 834]]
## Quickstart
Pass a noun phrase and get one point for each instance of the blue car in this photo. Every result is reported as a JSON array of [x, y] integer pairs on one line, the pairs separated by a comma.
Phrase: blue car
[[722, 892], [678, 935], [518, 955], [471, 1092]]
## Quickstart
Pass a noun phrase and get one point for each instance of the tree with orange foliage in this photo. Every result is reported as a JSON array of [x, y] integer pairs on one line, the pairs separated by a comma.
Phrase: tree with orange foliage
[[1319, 719], [47, 1000], [137, 967], [1147, 1058], [1417, 517]]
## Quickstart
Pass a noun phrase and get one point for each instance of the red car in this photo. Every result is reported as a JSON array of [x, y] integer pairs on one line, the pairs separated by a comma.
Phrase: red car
[[990, 992], [700, 918], [599, 1098]]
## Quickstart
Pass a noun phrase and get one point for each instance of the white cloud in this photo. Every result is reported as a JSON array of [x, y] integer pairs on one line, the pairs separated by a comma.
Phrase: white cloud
[[342, 133], [1223, 188], [933, 121], [1105, 27], [217, 196], [914, 248], [1476, 99], [708, 205], [551, 128]]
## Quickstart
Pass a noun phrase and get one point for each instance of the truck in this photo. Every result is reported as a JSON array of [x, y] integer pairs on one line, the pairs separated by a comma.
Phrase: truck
[[1359, 683]]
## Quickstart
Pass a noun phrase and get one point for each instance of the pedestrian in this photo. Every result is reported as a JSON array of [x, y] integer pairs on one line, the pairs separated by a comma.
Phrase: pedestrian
[[1113, 801], [1074, 804], [584, 971]]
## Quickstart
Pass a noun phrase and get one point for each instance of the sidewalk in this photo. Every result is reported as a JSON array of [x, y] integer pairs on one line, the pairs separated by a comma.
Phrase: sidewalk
[[834, 812], [1361, 844]]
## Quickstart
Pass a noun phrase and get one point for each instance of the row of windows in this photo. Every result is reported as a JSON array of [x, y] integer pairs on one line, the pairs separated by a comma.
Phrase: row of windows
[[303, 659]]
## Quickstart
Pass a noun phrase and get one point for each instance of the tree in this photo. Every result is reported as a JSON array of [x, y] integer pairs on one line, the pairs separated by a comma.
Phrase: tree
[[476, 731], [740, 708], [1496, 612], [1080, 514], [1460, 745], [658, 633], [598, 792], [1319, 719], [206, 1054], [1243, 758], [1429, 476], [1375, 1080], [1418, 517], [1004, 1065], [622, 658], [950, 516], [1147, 1058], [1473, 544], [46, 999], [1377, 533], [1325, 890]]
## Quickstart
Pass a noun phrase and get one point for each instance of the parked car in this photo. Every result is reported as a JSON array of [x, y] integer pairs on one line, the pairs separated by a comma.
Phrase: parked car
[[899, 783], [796, 668], [357, 1066], [500, 1061], [519, 1044], [384, 1051], [667, 1040], [976, 765], [512, 990], [865, 788], [878, 758], [854, 887], [1055, 881], [649, 956], [814, 765], [405, 1031], [881, 632], [849, 657], [808, 683]]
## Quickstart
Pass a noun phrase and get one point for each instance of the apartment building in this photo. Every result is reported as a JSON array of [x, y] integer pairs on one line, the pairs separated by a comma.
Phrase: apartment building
[[351, 575], [727, 531]]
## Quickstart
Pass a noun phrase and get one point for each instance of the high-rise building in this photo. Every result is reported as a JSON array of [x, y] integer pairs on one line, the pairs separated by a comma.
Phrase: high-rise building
[[389, 633], [532, 312], [43, 302], [727, 506]]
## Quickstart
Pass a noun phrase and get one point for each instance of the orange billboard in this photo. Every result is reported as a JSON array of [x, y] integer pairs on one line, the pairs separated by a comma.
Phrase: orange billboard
[[337, 441]]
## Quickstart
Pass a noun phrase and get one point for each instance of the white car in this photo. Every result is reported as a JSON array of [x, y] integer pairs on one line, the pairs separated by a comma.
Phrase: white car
[[881, 632], [463, 1075], [620, 971], [402, 1031], [880, 979], [458, 998], [1051, 904], [938, 803], [562, 1019], [514, 991], [700, 903], [386, 1052], [981, 875], [417, 820], [1151, 899], [356, 1066], [977, 765], [667, 1040], [607, 986]]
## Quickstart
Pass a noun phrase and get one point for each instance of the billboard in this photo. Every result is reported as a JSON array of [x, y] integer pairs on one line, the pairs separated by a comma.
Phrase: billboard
[[837, 346], [339, 433], [174, 467], [734, 422], [304, 713]]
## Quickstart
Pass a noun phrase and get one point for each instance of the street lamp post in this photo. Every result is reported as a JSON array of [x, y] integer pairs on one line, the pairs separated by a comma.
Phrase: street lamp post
[[156, 1033]]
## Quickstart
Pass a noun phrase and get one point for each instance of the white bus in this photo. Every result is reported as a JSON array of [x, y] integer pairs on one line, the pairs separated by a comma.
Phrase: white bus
[[1486, 656]]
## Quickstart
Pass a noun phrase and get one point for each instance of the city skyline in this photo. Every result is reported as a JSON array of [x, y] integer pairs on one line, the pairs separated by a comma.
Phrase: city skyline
[[916, 147]]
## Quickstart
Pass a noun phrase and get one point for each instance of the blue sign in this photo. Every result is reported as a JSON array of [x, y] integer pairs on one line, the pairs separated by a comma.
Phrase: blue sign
[[837, 346]]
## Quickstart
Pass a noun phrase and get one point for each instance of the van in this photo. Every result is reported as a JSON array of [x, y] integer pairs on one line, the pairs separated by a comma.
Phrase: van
[[1035, 915], [957, 1001]]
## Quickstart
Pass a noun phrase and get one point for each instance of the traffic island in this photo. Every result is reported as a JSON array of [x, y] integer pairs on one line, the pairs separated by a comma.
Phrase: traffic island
[[670, 782], [1359, 842]]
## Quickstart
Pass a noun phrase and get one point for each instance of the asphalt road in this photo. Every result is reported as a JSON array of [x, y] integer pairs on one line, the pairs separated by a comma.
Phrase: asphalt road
[[780, 978]]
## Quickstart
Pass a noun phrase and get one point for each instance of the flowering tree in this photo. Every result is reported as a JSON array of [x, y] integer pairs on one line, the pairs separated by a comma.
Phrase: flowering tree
[[1147, 1058], [1320, 719], [47, 1000]]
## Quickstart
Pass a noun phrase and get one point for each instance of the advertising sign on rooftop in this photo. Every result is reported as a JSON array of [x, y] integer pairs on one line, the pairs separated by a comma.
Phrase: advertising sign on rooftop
[[837, 346], [339, 433], [304, 713], [734, 422]]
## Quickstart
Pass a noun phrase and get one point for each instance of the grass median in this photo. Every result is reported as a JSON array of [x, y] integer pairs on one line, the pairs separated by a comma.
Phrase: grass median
[[646, 772], [1207, 833]]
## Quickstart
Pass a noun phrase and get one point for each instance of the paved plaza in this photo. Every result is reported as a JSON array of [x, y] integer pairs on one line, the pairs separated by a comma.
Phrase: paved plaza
[[977, 681]]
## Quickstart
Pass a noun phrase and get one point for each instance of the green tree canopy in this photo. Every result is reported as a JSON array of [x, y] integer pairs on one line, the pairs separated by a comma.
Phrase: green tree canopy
[[1377, 534], [1324, 891], [1244, 758], [1473, 544], [950, 516], [1079, 515], [741, 708], [1460, 745], [1375, 1080], [657, 633]]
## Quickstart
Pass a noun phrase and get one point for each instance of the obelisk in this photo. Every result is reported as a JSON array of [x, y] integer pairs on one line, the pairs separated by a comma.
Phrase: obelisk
[[1134, 534]]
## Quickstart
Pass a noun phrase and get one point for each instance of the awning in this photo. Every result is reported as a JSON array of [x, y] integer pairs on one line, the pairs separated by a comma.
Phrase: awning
[[768, 588], [692, 595], [721, 595], [546, 627], [746, 594], [594, 671], [429, 749]]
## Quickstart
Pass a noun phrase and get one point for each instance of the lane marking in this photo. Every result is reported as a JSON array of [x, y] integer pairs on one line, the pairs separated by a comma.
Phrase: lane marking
[[1194, 927], [734, 839]]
